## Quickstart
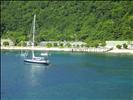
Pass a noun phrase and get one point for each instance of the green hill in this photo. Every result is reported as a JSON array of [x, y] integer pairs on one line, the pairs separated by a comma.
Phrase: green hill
[[68, 20]]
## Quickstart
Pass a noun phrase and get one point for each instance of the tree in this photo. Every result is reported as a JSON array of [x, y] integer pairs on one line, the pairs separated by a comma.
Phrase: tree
[[68, 20], [3, 29]]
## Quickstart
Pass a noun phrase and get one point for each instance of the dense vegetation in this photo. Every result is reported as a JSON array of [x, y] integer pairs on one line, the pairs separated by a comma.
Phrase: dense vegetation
[[68, 20]]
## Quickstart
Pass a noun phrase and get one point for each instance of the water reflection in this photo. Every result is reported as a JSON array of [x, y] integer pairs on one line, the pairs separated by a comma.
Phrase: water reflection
[[36, 70]]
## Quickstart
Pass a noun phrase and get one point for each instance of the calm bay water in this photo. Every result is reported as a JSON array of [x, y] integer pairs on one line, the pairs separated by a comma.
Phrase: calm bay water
[[70, 76]]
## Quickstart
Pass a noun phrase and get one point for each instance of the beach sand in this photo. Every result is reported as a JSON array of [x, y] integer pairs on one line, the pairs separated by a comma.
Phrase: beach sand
[[121, 51]]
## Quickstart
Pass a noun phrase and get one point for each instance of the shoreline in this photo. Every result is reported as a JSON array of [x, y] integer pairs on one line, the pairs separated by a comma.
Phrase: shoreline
[[101, 50]]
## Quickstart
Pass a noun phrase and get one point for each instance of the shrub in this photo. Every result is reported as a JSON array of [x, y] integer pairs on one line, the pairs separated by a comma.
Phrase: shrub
[[22, 43], [61, 45], [68, 45], [96, 45], [87, 45], [78, 46], [103, 44], [48, 45], [35, 43], [82, 45], [55, 45], [118, 46], [125, 46], [6, 43]]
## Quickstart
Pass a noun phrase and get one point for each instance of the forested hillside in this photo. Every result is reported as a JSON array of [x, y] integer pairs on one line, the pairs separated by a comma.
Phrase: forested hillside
[[68, 20]]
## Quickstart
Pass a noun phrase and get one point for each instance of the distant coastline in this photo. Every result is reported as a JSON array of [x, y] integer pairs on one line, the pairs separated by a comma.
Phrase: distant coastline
[[104, 50]]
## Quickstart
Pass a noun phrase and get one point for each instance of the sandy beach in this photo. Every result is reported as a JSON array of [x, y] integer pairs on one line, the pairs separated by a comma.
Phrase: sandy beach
[[121, 51], [71, 49]]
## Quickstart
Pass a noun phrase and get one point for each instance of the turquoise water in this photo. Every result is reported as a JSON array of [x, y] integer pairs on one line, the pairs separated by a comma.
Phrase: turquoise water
[[70, 76]]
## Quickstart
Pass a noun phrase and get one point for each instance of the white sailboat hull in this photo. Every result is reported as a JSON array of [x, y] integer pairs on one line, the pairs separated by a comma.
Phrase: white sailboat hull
[[37, 61]]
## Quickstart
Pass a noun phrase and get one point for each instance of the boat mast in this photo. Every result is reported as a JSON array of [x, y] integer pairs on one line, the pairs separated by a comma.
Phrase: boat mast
[[33, 39]]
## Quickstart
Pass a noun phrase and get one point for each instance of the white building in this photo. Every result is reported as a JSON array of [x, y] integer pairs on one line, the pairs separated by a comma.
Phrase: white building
[[113, 44], [9, 41], [63, 43]]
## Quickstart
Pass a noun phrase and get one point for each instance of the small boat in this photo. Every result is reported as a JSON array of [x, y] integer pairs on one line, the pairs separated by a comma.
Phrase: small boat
[[34, 59]]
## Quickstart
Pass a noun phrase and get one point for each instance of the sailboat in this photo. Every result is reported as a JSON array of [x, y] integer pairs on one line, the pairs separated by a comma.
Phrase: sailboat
[[34, 59]]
